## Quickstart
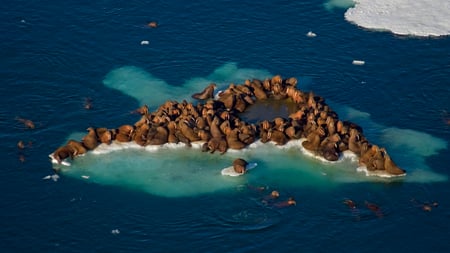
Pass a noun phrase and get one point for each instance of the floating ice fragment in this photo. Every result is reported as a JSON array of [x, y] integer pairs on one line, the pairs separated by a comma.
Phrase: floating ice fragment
[[54, 177], [145, 42], [85, 177], [311, 34], [115, 231], [358, 62]]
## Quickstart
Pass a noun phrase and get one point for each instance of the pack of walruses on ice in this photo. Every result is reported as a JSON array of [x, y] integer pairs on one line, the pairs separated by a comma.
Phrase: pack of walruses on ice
[[216, 122]]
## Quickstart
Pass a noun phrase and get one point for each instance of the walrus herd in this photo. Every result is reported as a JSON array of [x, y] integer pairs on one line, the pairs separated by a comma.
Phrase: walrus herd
[[216, 123]]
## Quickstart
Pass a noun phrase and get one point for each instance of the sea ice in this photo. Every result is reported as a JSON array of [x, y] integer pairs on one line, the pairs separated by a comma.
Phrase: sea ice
[[403, 17]]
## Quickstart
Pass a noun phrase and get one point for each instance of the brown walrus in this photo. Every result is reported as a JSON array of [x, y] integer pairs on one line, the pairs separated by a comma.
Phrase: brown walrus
[[214, 144], [239, 165], [391, 167], [160, 136], [153, 24], [313, 139], [258, 90], [293, 132], [207, 93], [232, 137], [172, 128], [62, 153], [140, 135], [278, 137], [26, 122], [188, 131], [354, 143], [329, 148], [77, 147], [90, 139]]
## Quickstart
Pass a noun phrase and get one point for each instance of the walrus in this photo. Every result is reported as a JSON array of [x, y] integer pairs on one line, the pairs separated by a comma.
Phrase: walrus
[[391, 167], [153, 24], [90, 139], [228, 100], [293, 132], [207, 93], [292, 81], [258, 91], [214, 127], [104, 135], [278, 137], [126, 130], [62, 153], [365, 157], [187, 131], [77, 147], [313, 139], [378, 159], [204, 135], [88, 103], [298, 115], [232, 137], [214, 144], [143, 110], [160, 137], [26, 122], [140, 135], [354, 143], [329, 148], [239, 165]]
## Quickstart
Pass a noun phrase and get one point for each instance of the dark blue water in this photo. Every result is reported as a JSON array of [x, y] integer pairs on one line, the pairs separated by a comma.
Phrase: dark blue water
[[56, 54]]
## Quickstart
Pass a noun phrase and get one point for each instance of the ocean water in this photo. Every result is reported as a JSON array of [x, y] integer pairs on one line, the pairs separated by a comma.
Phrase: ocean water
[[55, 55]]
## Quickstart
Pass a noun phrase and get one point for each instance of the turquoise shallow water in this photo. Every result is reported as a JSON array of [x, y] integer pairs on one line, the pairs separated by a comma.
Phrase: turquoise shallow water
[[55, 55]]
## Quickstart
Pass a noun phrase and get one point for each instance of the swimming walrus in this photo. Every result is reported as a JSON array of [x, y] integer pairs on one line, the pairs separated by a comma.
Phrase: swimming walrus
[[239, 165]]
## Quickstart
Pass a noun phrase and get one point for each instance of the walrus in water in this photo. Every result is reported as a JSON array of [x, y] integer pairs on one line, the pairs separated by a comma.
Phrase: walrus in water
[[239, 165], [207, 93], [26, 122]]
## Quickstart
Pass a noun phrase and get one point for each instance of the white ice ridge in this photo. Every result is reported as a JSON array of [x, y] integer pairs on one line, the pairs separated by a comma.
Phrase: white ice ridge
[[403, 17]]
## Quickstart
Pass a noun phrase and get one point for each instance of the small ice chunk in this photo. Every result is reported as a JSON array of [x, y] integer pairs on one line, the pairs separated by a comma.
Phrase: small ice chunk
[[85, 176], [311, 34], [115, 231], [358, 62], [145, 42], [54, 177]]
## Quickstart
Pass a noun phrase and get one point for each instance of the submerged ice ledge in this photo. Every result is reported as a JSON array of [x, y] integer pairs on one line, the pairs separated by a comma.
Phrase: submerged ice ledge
[[216, 122]]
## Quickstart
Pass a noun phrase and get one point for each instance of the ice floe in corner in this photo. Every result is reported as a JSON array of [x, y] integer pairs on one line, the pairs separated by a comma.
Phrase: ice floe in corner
[[403, 17]]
